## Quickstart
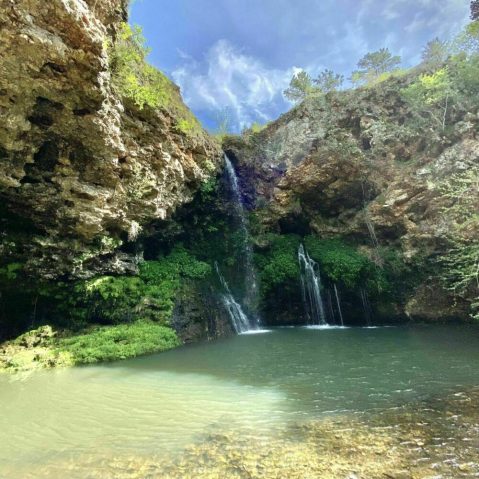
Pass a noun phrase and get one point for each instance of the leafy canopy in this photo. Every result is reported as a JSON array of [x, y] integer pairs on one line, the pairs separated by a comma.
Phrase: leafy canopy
[[339, 261], [278, 262], [328, 81], [375, 64], [300, 87], [475, 10], [435, 53]]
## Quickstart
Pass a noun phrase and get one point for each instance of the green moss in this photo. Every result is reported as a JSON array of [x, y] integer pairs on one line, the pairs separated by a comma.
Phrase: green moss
[[339, 261], [118, 299], [142, 83], [277, 262], [118, 342]]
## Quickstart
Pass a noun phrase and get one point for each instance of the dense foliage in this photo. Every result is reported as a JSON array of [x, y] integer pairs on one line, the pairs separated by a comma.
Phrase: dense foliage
[[278, 262], [460, 271], [475, 10], [339, 261], [374, 65], [303, 86], [150, 295]]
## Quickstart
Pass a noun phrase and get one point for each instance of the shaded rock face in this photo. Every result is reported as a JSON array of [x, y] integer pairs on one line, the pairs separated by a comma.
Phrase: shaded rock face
[[81, 169], [353, 164], [199, 314]]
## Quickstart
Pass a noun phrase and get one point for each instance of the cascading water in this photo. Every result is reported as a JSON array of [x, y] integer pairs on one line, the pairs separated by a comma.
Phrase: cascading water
[[250, 280], [239, 319], [311, 288], [338, 302], [366, 306]]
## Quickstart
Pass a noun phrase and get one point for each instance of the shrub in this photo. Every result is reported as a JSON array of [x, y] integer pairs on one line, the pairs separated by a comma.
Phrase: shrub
[[340, 262], [278, 263]]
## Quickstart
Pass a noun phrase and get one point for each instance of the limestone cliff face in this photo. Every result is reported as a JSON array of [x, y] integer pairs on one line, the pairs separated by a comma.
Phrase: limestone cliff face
[[352, 164], [81, 168]]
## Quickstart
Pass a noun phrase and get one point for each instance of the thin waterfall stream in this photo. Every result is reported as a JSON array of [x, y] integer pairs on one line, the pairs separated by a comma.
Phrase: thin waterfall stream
[[242, 322], [239, 319], [338, 302], [311, 288]]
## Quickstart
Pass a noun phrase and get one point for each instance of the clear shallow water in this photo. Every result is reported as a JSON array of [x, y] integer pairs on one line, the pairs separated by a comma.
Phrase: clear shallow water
[[250, 384]]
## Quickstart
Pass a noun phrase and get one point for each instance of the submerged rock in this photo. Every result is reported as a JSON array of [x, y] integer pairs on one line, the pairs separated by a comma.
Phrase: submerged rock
[[434, 438]]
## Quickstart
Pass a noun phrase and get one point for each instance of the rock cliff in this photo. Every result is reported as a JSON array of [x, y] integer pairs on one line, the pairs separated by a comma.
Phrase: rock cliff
[[82, 168], [355, 165]]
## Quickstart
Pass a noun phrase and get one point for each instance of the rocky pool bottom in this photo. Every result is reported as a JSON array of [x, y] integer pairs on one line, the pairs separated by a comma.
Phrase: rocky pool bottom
[[294, 403]]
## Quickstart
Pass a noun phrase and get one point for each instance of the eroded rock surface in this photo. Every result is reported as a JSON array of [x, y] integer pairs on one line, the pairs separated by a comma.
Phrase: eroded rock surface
[[81, 168], [354, 164]]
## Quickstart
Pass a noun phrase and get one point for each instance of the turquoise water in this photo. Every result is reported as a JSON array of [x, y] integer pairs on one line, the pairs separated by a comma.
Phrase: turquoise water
[[251, 383]]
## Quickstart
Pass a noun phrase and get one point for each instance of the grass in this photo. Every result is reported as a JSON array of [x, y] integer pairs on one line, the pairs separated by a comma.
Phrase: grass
[[124, 341]]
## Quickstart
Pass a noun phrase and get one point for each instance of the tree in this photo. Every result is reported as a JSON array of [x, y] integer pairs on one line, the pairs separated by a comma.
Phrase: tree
[[374, 64], [467, 42], [435, 53], [300, 87], [475, 10], [461, 259], [431, 94], [328, 81]]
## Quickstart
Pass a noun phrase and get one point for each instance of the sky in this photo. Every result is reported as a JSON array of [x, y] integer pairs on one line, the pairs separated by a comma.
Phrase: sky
[[238, 56]]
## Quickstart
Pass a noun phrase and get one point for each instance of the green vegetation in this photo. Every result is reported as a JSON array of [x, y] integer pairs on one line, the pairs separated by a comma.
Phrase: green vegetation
[[150, 295], [45, 347], [431, 93], [448, 86], [375, 67], [435, 54], [117, 342], [130, 314], [300, 87], [142, 83], [342, 263], [475, 10], [278, 262], [303, 86], [460, 271], [339, 262]]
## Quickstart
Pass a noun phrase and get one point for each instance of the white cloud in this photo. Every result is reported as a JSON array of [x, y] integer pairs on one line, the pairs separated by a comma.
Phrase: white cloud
[[227, 78]]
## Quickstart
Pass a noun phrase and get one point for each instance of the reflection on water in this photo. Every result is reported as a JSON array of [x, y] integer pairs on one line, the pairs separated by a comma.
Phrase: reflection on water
[[264, 401]]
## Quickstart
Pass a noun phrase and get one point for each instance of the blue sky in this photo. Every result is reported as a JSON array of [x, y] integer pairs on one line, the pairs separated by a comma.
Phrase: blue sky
[[239, 55]]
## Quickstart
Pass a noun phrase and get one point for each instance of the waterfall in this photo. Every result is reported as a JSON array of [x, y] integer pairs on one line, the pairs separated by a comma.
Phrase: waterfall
[[250, 279], [311, 288], [366, 306], [338, 302], [329, 301], [238, 318]]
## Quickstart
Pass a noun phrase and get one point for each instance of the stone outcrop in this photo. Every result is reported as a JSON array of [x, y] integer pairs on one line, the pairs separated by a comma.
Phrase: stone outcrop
[[354, 164], [82, 169]]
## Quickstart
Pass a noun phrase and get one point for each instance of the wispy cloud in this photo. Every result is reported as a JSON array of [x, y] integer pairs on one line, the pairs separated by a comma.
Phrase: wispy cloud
[[241, 55], [227, 78]]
